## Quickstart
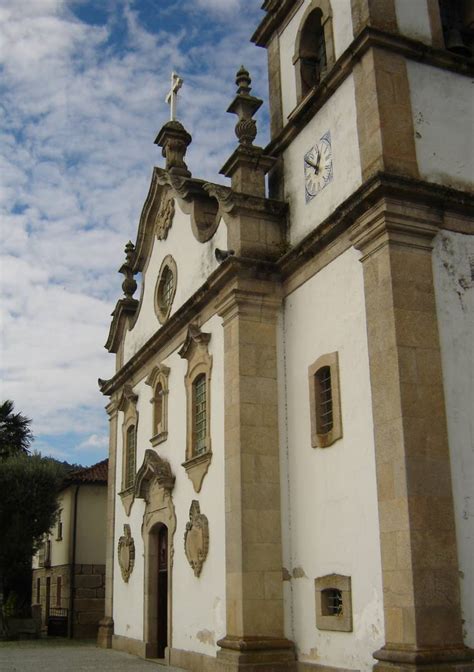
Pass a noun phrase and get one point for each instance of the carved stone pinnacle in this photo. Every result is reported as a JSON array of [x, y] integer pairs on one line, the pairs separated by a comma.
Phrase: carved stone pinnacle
[[129, 284]]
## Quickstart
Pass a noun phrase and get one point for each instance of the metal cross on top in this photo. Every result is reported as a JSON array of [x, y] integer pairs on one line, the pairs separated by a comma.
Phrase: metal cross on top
[[176, 84]]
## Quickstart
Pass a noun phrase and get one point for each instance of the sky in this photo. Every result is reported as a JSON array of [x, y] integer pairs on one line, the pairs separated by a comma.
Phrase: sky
[[82, 97]]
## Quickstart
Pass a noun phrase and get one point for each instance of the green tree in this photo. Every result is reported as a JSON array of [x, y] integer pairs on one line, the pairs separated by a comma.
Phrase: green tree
[[28, 507], [15, 433]]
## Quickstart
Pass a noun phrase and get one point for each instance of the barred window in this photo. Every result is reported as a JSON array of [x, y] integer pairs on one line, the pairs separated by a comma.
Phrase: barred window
[[331, 602], [130, 457], [323, 396], [165, 290], [325, 401], [199, 414]]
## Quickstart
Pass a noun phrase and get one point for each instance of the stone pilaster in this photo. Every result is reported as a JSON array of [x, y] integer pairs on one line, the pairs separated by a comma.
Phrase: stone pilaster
[[106, 625], [423, 627], [254, 589], [384, 114], [375, 13]]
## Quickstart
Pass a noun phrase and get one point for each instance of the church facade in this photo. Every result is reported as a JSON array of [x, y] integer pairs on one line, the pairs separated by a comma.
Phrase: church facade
[[291, 461]]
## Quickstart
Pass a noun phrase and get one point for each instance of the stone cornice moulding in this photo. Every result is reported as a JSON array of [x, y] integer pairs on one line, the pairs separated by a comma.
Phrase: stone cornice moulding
[[367, 39], [387, 222], [456, 204], [250, 304]]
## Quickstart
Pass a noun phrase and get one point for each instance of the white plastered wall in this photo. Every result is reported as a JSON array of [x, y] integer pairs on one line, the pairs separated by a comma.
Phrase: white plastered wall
[[453, 267], [413, 19], [443, 117], [198, 604], [339, 117], [342, 33], [330, 519], [60, 548], [195, 262], [91, 524]]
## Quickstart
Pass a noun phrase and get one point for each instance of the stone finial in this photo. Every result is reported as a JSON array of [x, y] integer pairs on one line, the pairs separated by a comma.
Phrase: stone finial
[[129, 284], [245, 106], [174, 140], [247, 165], [243, 81]]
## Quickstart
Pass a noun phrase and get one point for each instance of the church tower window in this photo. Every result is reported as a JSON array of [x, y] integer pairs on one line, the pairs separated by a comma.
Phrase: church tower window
[[314, 52], [457, 22], [324, 398]]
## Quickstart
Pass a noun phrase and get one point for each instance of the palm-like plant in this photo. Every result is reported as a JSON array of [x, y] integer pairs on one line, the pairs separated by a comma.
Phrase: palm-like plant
[[15, 433]]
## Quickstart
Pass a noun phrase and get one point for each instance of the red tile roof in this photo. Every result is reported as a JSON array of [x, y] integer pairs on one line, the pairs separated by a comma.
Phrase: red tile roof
[[97, 473]]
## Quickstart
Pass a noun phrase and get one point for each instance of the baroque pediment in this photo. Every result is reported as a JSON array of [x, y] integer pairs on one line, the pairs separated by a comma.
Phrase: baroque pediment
[[154, 469]]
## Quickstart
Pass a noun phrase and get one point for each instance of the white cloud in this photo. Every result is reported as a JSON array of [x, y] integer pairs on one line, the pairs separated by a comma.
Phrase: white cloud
[[78, 116]]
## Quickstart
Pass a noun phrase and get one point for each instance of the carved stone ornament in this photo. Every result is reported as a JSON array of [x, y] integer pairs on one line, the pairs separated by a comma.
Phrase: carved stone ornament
[[164, 219], [126, 553], [196, 538]]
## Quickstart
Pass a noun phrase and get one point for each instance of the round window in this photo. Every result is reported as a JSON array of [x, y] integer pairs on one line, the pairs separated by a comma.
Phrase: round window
[[166, 288]]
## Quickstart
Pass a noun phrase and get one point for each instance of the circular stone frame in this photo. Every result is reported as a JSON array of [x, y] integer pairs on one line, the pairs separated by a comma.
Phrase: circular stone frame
[[162, 309]]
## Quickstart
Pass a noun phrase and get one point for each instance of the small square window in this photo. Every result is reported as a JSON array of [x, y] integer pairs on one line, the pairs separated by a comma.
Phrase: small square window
[[333, 603]]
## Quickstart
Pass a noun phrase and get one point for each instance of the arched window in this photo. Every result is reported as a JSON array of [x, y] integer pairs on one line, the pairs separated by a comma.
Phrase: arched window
[[130, 456], [158, 410], [199, 414], [314, 53], [158, 380]]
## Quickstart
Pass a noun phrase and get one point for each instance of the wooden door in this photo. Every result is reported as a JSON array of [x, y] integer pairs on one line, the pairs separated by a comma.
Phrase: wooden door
[[162, 590]]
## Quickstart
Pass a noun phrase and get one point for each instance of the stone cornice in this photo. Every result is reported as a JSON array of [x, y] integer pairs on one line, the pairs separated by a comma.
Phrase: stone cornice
[[367, 39], [380, 185], [277, 12]]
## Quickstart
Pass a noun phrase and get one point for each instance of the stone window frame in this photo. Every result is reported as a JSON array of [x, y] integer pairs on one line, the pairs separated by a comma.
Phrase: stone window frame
[[324, 439], [159, 377], [59, 526], [128, 405], [195, 350], [340, 622], [324, 6], [163, 312]]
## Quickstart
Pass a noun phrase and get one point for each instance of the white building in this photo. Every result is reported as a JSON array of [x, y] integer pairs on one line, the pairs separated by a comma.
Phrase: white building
[[291, 460], [69, 570]]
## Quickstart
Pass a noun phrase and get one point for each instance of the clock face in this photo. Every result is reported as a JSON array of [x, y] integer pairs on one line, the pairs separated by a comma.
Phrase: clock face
[[318, 168]]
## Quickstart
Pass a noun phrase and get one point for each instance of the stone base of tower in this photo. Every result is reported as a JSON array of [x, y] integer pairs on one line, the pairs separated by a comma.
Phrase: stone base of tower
[[424, 660], [255, 654]]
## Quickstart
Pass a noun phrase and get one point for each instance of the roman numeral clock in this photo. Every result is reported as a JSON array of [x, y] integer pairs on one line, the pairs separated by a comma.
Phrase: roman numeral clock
[[318, 167]]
